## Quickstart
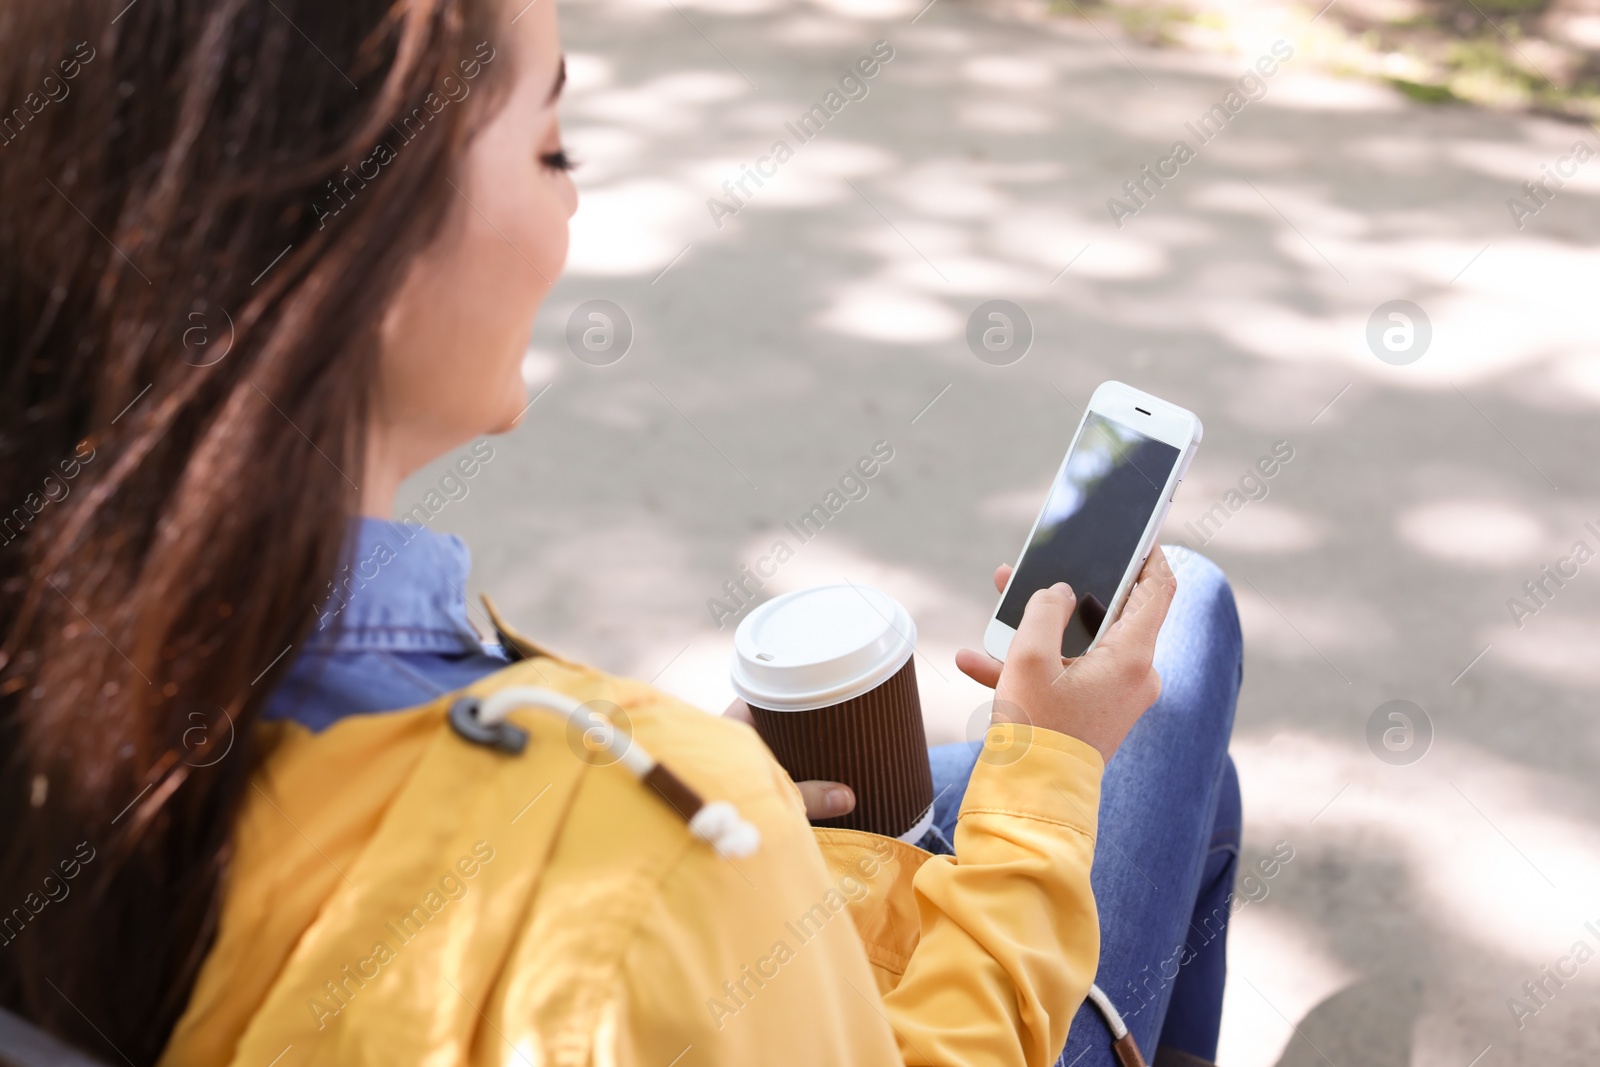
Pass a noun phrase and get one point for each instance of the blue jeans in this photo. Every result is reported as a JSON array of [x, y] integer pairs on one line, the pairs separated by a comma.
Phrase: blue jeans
[[1168, 841]]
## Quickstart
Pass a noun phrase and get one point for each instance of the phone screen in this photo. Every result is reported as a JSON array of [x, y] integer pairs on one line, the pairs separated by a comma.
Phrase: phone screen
[[1093, 519]]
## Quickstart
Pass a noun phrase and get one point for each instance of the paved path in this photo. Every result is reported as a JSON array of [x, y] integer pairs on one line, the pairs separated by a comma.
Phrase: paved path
[[829, 311]]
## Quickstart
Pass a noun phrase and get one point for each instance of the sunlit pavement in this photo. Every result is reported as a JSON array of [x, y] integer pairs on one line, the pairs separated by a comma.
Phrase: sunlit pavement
[[829, 312]]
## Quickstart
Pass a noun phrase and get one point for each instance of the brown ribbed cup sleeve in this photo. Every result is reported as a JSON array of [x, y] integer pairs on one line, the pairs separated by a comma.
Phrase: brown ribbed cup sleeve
[[875, 744]]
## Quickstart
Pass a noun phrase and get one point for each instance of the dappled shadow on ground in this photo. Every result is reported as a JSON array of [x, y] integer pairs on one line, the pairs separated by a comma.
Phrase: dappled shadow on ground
[[828, 313], [1524, 55]]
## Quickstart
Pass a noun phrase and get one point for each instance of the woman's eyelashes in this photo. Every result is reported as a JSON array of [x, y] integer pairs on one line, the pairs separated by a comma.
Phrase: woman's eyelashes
[[557, 161]]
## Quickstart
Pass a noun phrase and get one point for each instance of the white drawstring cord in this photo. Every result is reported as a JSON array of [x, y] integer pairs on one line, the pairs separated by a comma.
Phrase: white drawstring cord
[[1109, 1011], [718, 823], [1123, 1046]]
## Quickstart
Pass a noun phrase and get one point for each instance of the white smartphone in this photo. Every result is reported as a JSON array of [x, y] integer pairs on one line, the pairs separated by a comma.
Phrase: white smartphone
[[1100, 520]]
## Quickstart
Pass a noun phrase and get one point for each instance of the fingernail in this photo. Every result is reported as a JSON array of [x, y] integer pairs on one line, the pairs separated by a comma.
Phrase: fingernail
[[839, 799]]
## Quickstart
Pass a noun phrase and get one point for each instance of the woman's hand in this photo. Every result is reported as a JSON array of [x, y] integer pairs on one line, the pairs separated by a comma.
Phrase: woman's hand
[[1095, 697], [824, 800]]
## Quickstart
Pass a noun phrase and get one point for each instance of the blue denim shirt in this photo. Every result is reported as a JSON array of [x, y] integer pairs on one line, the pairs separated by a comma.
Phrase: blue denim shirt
[[393, 633]]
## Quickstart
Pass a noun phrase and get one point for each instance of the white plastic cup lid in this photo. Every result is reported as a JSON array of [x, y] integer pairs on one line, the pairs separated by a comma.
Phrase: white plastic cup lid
[[821, 646]]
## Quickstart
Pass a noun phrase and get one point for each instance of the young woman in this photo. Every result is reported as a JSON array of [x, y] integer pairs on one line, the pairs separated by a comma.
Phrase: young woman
[[259, 261]]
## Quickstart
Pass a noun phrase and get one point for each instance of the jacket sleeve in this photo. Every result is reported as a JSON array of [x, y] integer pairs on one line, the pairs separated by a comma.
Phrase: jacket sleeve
[[976, 960], [1010, 939]]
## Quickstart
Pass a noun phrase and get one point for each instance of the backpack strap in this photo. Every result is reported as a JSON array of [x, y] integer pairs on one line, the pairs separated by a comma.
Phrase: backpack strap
[[517, 646]]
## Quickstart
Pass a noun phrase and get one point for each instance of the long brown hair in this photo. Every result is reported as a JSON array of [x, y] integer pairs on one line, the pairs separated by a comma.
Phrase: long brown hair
[[191, 289]]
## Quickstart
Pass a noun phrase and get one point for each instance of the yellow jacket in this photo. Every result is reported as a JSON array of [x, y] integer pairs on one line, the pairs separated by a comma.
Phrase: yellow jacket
[[399, 896]]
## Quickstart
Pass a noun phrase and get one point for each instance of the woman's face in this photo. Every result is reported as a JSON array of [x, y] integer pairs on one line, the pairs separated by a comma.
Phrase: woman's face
[[452, 344]]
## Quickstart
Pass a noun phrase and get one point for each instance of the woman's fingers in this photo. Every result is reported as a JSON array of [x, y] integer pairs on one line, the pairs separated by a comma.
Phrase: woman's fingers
[[1044, 620], [981, 668], [827, 800], [1002, 575], [1140, 623]]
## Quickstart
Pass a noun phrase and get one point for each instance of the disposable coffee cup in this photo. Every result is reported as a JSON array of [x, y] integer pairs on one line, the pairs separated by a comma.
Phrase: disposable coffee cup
[[829, 675]]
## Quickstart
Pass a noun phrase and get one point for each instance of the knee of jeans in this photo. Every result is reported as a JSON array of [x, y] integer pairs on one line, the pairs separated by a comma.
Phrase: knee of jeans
[[1204, 590], [1228, 824]]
